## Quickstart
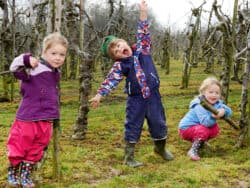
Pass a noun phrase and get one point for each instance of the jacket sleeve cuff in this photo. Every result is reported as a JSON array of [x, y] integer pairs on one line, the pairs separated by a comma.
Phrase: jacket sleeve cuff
[[26, 60]]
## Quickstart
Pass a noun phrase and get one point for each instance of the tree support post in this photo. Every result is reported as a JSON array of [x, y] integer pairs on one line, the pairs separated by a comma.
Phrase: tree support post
[[56, 149]]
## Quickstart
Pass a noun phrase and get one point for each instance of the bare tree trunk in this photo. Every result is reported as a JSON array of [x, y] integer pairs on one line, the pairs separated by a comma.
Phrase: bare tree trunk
[[51, 17], [6, 49], [34, 38], [105, 66], [175, 51], [56, 149], [187, 64], [166, 54], [56, 123], [72, 23], [112, 29], [233, 34], [58, 15], [13, 46], [244, 118], [210, 55], [39, 25], [73, 65], [81, 123], [55, 10], [227, 64], [188, 59], [228, 48], [240, 43]]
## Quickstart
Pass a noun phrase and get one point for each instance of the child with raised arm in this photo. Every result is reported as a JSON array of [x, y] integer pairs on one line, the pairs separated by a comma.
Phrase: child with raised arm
[[142, 87], [31, 130], [200, 125]]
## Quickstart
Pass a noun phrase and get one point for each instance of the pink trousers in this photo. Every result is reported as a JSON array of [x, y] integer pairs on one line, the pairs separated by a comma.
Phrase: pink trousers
[[27, 141], [199, 132]]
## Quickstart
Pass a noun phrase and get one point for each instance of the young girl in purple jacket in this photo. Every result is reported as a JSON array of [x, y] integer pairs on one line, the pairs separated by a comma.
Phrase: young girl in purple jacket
[[31, 130]]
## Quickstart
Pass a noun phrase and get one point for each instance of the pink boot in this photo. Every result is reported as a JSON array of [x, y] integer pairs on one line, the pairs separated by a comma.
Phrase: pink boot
[[193, 152]]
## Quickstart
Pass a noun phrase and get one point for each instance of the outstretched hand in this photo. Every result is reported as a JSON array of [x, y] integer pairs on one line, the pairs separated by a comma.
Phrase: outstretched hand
[[143, 10], [95, 101], [143, 5]]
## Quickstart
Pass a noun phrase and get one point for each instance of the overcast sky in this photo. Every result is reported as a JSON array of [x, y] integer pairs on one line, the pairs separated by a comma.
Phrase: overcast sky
[[176, 13]]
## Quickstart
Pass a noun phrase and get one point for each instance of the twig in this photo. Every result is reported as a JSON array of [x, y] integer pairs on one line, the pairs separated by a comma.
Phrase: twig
[[5, 72]]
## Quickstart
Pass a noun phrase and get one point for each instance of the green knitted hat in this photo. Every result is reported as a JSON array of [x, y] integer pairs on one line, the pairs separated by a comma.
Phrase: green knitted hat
[[105, 44]]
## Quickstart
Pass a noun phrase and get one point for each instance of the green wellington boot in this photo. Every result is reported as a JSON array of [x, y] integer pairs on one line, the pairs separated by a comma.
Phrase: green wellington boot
[[129, 156], [160, 149]]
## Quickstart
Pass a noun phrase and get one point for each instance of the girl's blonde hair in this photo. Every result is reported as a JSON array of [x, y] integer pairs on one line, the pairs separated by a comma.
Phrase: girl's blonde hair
[[54, 38], [208, 82]]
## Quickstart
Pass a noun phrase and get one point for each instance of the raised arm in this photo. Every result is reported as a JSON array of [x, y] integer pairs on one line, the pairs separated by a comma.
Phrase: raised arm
[[143, 43], [21, 63], [143, 10]]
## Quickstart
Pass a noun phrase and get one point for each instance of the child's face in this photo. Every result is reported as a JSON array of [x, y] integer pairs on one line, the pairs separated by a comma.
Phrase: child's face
[[55, 55], [122, 50], [212, 93]]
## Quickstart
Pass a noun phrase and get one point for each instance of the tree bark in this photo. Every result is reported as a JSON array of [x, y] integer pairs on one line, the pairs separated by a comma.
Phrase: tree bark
[[166, 52], [244, 116], [81, 123], [6, 38], [188, 60]]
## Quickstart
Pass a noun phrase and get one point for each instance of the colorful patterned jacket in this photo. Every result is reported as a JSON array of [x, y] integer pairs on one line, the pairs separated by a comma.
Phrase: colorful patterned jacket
[[125, 67]]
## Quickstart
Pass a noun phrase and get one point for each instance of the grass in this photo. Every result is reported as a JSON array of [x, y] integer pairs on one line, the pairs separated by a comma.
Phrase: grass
[[97, 161]]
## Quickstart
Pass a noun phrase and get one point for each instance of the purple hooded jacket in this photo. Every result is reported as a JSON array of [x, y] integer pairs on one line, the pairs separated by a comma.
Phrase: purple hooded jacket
[[40, 97]]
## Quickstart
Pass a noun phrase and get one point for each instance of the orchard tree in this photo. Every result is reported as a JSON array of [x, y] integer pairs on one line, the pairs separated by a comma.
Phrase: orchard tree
[[190, 52]]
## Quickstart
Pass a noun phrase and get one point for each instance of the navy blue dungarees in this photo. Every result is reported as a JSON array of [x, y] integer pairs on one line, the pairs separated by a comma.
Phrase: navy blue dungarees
[[138, 108]]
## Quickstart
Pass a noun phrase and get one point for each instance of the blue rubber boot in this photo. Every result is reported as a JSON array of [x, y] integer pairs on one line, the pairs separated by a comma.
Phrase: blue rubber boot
[[26, 169], [13, 176]]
